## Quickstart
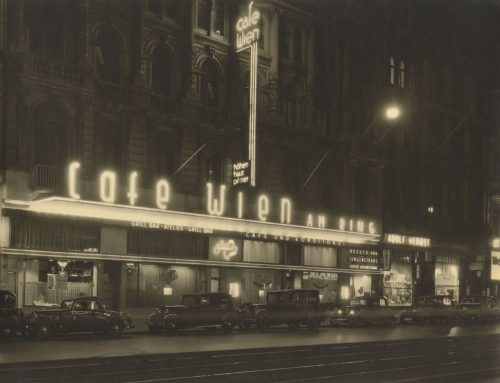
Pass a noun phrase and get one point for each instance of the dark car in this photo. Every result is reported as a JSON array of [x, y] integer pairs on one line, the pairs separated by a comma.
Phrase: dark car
[[478, 307], [246, 315], [82, 314], [11, 318], [197, 310], [290, 307], [432, 308], [364, 310]]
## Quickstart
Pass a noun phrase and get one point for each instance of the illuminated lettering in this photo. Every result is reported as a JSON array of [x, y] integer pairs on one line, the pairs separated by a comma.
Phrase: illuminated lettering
[[286, 211], [371, 228], [132, 188], [360, 227], [240, 204], [342, 224], [72, 177], [244, 36], [162, 194], [351, 225], [107, 186], [263, 207], [215, 206], [496, 243], [321, 221], [309, 220]]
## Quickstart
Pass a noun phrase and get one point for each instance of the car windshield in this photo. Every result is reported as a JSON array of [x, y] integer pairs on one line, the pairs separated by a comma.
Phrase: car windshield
[[274, 298], [358, 302], [189, 300]]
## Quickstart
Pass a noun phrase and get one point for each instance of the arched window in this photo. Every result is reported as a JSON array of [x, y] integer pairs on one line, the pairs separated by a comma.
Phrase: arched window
[[297, 46], [402, 74], [109, 57], [210, 84], [391, 70], [161, 71], [50, 137], [47, 28]]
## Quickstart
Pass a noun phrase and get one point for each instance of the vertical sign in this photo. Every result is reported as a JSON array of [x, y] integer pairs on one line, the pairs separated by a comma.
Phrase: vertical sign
[[247, 36]]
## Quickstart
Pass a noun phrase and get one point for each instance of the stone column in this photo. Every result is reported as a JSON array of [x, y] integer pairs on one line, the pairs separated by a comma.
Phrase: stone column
[[274, 69]]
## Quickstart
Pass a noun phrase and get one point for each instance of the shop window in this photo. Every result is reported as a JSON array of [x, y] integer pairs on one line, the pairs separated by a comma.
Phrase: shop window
[[210, 84], [262, 252], [320, 256], [170, 244], [47, 28], [35, 233], [108, 57], [162, 71], [50, 141], [293, 254]]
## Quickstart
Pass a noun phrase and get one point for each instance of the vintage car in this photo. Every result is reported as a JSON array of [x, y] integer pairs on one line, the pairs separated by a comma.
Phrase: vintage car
[[290, 307], [11, 318], [82, 314], [246, 315], [208, 310], [362, 310], [478, 307], [432, 308]]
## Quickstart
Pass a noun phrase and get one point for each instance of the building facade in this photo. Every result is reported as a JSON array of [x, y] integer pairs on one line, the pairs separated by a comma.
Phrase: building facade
[[122, 122]]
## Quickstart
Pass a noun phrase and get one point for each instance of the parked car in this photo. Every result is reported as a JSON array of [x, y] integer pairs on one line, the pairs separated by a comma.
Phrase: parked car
[[82, 314], [478, 307], [197, 310], [291, 307], [246, 315], [11, 318], [364, 310], [432, 308]]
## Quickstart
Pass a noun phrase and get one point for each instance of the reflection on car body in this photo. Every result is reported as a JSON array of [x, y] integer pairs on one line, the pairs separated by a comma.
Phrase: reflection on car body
[[82, 314], [364, 310], [430, 308], [196, 310]]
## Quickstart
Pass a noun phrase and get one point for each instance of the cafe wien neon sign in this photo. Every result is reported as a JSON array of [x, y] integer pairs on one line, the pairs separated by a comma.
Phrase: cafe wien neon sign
[[216, 201]]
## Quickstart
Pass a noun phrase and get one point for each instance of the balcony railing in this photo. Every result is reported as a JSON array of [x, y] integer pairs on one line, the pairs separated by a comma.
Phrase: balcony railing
[[54, 69], [47, 178]]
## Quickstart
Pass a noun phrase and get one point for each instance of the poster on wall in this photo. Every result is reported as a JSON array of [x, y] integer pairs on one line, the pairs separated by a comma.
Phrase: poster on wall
[[495, 265], [398, 281]]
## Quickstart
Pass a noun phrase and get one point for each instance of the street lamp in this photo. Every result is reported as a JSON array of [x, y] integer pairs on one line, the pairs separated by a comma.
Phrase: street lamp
[[392, 112]]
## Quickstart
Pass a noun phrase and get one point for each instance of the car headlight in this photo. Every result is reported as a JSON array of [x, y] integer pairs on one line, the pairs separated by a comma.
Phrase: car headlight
[[351, 312], [339, 312]]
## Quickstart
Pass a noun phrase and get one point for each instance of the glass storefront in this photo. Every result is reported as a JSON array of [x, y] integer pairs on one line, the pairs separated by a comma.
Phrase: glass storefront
[[398, 280], [446, 276]]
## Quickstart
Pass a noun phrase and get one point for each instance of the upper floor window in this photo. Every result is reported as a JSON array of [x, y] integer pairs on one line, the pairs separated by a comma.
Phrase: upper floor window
[[109, 57], [46, 28], [165, 153], [211, 16], [163, 8], [297, 46], [392, 70], [402, 74], [214, 168], [161, 71], [210, 84], [50, 139], [108, 148], [284, 44]]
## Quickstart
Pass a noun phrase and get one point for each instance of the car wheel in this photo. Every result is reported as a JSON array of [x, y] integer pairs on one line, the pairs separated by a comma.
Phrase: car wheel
[[243, 325], [263, 323], [115, 329], [313, 323], [42, 330], [154, 329]]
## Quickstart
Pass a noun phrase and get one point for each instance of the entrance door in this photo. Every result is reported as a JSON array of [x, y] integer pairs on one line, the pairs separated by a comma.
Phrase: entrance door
[[111, 282]]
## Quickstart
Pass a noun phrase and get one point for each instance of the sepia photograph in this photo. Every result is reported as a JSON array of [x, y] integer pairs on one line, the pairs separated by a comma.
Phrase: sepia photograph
[[238, 191]]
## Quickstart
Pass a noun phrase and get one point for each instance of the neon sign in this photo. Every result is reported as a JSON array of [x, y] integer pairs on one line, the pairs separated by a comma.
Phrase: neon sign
[[398, 239], [227, 249], [216, 202], [247, 31]]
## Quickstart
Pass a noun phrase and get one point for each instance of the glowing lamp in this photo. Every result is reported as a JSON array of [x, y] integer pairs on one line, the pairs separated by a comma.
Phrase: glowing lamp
[[392, 112], [167, 291]]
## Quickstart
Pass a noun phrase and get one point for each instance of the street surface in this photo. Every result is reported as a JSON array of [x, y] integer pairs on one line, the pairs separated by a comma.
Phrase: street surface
[[394, 354]]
